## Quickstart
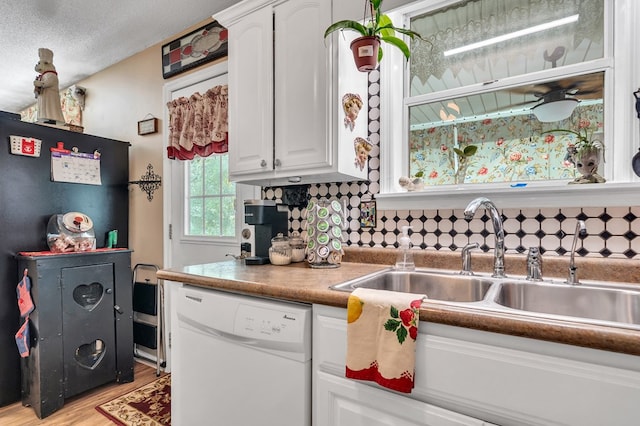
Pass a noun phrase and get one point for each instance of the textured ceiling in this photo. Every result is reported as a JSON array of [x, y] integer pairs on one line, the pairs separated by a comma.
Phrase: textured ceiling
[[86, 36]]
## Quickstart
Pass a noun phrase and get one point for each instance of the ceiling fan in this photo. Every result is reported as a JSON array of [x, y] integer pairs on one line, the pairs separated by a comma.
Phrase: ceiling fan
[[556, 100]]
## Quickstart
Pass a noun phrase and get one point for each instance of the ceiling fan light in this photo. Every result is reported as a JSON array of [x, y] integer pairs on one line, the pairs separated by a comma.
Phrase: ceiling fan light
[[547, 112]]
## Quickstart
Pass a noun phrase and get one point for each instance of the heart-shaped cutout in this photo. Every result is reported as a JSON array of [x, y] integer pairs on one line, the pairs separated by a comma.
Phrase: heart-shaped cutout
[[88, 296], [89, 355]]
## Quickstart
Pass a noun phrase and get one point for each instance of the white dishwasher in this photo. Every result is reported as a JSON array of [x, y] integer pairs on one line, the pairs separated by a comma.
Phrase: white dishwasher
[[240, 360]]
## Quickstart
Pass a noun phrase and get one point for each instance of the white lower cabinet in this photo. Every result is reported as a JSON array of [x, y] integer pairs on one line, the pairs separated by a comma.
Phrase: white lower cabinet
[[471, 377], [344, 402], [338, 401]]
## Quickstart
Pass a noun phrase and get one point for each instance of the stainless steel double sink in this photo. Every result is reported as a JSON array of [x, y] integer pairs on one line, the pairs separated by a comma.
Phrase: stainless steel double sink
[[601, 303]]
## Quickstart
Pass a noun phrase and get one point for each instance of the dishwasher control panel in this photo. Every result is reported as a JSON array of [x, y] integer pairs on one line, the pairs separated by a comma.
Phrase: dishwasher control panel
[[283, 325]]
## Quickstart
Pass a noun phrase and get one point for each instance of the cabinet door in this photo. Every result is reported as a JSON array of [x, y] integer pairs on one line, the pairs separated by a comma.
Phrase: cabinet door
[[251, 93], [343, 402], [89, 343], [302, 95]]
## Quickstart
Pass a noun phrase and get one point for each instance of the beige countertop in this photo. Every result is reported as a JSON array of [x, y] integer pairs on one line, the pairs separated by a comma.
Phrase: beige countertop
[[301, 283]]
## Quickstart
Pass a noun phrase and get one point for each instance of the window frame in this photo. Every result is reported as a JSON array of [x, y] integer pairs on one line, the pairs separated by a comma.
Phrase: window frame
[[622, 186]]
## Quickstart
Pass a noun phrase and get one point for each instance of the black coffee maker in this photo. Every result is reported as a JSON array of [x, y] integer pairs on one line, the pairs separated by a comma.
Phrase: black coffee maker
[[269, 219]]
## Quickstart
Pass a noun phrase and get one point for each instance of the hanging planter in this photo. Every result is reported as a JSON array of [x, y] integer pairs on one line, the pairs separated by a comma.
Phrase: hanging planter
[[365, 53], [379, 28]]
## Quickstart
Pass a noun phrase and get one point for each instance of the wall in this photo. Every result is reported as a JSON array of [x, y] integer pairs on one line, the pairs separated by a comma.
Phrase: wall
[[612, 232], [117, 98], [125, 93]]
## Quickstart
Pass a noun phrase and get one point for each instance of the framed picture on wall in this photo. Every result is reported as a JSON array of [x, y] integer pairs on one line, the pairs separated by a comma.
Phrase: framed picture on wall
[[194, 49], [368, 214]]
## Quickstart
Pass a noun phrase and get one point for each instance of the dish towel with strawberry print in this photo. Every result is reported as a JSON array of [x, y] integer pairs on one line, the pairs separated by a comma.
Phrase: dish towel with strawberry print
[[382, 327]]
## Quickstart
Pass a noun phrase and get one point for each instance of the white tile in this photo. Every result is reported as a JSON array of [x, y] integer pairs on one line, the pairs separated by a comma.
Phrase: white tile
[[365, 238], [430, 225], [401, 223], [594, 226], [377, 238], [445, 225], [569, 226], [550, 242], [511, 213], [635, 245], [445, 240], [571, 212], [593, 243], [530, 226], [617, 244], [477, 238], [460, 240], [617, 226], [354, 237], [461, 226], [593, 211], [511, 225], [430, 239], [416, 225], [390, 238], [550, 226], [530, 241], [476, 226], [511, 241], [617, 211]]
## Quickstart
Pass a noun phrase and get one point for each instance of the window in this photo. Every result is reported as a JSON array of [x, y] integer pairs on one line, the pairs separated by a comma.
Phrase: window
[[210, 198], [476, 80]]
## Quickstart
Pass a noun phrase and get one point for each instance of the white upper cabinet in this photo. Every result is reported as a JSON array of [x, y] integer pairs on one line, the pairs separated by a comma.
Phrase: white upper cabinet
[[301, 85], [251, 93], [284, 106]]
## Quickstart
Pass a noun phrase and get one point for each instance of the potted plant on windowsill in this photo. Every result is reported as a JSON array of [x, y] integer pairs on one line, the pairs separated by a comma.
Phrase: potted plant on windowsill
[[379, 27], [586, 153]]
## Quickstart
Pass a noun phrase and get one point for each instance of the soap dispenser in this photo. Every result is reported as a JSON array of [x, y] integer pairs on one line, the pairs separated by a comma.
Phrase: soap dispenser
[[404, 262]]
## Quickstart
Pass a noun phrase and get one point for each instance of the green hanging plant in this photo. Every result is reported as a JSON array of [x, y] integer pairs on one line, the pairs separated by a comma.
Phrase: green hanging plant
[[379, 26]]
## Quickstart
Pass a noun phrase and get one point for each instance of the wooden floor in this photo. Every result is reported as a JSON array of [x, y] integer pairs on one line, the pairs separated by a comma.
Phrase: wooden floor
[[79, 410]]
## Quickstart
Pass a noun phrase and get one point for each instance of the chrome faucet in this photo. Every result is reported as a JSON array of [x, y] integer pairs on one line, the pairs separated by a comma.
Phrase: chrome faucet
[[498, 230], [581, 229]]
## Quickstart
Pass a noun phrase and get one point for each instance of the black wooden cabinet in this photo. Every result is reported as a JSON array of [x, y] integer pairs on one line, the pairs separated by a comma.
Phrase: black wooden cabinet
[[28, 198], [81, 328]]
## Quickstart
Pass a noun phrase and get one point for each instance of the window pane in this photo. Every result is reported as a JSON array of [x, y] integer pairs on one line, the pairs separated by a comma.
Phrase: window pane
[[211, 198], [511, 143], [195, 167], [196, 215], [478, 41], [212, 175], [212, 216]]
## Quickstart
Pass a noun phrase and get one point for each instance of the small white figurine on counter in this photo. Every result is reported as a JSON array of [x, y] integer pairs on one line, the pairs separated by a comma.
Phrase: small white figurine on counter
[[411, 184], [46, 88]]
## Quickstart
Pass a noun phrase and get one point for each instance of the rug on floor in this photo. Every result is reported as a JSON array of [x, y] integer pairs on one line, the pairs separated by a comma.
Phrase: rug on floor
[[149, 405]]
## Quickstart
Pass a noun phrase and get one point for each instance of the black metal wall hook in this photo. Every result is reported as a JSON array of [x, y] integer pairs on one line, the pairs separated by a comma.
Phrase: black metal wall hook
[[149, 182]]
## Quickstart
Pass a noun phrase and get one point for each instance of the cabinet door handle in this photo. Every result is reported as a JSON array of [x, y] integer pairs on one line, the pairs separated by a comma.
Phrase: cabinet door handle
[[277, 163], [118, 309], [263, 163]]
